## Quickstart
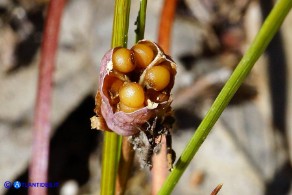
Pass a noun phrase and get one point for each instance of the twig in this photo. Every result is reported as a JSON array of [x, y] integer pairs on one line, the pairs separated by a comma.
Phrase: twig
[[112, 141], [125, 166], [141, 20], [166, 23], [38, 171], [160, 166], [260, 43], [127, 153], [217, 189]]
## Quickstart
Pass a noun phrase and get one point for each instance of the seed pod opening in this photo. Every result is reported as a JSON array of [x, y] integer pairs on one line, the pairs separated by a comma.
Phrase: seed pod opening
[[125, 111]]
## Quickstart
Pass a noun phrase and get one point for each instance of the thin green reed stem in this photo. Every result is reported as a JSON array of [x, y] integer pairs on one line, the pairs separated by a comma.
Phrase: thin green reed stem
[[127, 152], [112, 141], [141, 19], [261, 41], [121, 23]]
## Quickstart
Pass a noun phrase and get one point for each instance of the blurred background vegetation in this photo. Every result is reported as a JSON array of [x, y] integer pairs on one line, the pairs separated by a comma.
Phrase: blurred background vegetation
[[250, 148]]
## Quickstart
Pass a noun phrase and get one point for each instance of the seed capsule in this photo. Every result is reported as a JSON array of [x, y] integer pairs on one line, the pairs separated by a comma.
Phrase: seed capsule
[[132, 95], [127, 109], [114, 91], [115, 87], [122, 60], [157, 96], [129, 95], [143, 55], [157, 77]]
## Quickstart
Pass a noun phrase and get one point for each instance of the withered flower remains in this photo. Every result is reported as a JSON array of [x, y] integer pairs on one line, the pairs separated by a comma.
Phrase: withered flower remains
[[134, 92]]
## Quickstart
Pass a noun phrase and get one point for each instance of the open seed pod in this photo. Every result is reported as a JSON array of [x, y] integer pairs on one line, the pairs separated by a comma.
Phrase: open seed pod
[[134, 86]]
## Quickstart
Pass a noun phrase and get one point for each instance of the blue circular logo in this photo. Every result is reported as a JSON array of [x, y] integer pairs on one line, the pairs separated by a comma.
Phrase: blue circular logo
[[17, 184], [7, 184]]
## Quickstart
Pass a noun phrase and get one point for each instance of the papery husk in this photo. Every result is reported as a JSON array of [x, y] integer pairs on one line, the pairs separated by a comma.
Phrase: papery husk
[[127, 124]]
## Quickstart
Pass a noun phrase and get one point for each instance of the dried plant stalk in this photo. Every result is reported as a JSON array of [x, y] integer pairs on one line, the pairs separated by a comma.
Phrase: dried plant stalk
[[38, 171], [160, 167]]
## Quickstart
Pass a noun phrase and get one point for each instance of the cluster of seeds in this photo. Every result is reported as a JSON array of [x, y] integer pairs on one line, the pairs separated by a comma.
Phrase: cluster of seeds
[[133, 98], [139, 75], [134, 87]]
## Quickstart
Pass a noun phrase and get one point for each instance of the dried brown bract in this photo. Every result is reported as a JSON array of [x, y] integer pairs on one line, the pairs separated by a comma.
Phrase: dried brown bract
[[148, 142]]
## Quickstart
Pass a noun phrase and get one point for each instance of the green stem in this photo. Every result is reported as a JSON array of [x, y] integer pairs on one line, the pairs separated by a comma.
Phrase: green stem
[[112, 141], [140, 22], [121, 23], [127, 152], [261, 41], [110, 160]]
